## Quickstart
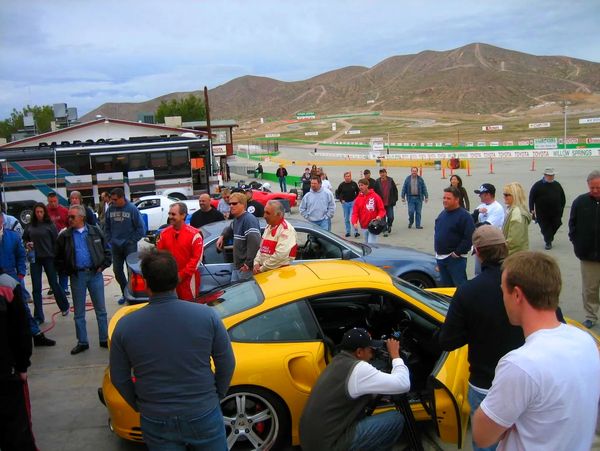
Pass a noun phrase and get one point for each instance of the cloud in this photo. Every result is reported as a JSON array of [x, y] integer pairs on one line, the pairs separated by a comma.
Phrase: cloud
[[88, 53]]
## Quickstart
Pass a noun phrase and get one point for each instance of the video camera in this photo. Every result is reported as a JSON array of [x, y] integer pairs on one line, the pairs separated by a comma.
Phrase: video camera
[[381, 356]]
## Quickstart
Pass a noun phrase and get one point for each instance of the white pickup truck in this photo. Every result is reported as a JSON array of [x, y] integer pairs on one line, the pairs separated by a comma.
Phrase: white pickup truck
[[156, 208]]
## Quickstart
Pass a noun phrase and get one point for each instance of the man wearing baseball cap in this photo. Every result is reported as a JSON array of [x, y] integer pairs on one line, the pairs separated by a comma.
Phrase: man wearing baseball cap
[[546, 203], [333, 418], [489, 211], [477, 317]]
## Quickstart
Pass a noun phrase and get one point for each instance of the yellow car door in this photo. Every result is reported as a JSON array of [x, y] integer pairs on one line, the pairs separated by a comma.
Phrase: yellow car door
[[448, 386]]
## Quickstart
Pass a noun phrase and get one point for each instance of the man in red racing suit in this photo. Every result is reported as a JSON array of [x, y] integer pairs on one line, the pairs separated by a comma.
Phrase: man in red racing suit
[[185, 243]]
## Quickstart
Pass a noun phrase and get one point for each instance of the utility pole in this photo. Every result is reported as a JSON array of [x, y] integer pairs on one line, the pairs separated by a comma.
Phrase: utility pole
[[565, 103]]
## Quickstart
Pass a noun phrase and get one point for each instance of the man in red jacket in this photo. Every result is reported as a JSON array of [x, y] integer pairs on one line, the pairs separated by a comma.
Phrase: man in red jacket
[[367, 206], [185, 243]]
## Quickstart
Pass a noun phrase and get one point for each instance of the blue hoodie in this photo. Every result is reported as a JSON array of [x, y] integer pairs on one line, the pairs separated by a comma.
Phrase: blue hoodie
[[124, 225]]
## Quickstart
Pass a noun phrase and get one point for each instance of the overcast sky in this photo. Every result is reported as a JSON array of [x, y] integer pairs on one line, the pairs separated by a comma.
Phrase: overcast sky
[[85, 52]]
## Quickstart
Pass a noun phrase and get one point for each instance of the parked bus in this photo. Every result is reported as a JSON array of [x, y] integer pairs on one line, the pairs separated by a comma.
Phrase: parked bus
[[178, 167]]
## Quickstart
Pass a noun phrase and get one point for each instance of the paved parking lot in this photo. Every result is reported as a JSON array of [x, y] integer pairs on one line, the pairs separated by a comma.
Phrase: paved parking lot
[[66, 412]]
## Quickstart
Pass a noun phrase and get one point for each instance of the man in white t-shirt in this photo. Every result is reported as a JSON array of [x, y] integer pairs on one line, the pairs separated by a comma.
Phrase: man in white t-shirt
[[545, 394], [489, 211]]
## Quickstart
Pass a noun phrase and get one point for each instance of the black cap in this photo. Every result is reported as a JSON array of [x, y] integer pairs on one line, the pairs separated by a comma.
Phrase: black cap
[[358, 338], [486, 188]]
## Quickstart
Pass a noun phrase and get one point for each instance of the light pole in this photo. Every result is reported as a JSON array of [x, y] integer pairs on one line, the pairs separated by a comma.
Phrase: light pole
[[565, 103]]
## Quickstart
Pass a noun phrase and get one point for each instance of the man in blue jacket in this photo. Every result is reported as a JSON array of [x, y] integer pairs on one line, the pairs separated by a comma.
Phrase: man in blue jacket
[[452, 238], [414, 191], [124, 227]]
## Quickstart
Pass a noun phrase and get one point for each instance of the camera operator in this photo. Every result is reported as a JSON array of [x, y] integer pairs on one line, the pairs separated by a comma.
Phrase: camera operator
[[334, 415]]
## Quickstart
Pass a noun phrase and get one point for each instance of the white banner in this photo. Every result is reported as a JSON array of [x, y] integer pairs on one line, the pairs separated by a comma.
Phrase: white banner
[[499, 154], [590, 120], [272, 135], [545, 143], [353, 132], [491, 128], [311, 133], [540, 125]]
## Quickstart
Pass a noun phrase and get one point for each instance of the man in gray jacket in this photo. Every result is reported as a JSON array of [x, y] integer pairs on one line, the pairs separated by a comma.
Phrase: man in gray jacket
[[318, 205], [186, 411]]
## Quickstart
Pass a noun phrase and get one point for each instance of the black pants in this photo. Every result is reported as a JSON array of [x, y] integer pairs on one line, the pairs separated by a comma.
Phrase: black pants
[[15, 431], [549, 227]]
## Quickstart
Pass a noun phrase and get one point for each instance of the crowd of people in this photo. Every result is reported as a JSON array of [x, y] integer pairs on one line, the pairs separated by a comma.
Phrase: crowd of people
[[508, 314]]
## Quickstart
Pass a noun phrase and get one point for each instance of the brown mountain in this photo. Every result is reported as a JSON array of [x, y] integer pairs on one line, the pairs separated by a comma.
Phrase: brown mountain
[[476, 78]]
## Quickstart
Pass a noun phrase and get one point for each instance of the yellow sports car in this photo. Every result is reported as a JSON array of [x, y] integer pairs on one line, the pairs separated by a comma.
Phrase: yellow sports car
[[284, 326]]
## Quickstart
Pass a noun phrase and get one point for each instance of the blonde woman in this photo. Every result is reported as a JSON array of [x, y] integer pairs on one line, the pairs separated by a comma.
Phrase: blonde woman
[[517, 218]]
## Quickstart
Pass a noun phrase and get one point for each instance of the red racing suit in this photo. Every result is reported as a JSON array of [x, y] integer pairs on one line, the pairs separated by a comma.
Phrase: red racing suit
[[277, 248], [186, 245], [366, 208]]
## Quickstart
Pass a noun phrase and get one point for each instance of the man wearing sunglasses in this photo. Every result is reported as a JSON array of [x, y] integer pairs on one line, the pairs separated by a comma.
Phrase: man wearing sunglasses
[[82, 253], [245, 232]]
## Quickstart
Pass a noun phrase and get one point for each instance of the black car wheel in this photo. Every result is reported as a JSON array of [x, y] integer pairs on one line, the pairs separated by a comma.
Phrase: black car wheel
[[254, 419], [418, 279]]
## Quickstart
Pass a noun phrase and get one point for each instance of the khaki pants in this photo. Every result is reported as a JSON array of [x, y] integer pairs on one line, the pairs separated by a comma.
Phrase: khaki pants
[[590, 288]]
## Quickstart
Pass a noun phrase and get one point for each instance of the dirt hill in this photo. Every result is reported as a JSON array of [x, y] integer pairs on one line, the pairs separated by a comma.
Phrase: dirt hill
[[477, 78]]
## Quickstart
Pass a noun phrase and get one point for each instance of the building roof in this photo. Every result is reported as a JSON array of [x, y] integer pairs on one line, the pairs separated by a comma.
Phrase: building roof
[[213, 123], [57, 133]]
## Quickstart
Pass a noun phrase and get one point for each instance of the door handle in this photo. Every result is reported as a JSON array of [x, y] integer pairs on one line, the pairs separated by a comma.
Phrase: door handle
[[224, 272]]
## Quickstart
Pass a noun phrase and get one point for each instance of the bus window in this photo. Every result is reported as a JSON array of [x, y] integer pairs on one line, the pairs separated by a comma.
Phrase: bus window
[[137, 162], [158, 162], [179, 163], [77, 164], [120, 163], [104, 163]]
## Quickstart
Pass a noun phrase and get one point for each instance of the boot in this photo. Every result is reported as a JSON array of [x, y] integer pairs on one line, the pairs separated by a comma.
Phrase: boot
[[41, 340]]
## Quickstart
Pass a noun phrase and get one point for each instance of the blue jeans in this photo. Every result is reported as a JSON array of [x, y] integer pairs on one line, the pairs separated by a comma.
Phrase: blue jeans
[[415, 205], [63, 281], [389, 216], [119, 255], [453, 271], [237, 275], [475, 399], [93, 282], [378, 432], [47, 264], [347, 207], [204, 431], [282, 184], [324, 224], [370, 238]]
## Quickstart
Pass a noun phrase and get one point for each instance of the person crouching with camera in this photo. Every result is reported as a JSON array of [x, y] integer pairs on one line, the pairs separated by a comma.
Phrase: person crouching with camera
[[334, 417]]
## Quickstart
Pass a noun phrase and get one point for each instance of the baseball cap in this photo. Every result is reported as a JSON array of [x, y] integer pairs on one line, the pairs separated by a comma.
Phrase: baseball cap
[[549, 171], [486, 188], [358, 337], [488, 235]]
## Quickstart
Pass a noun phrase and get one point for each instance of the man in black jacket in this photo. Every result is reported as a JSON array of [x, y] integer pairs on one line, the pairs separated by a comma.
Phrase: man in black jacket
[[477, 316], [388, 191], [15, 351], [346, 192], [584, 233], [82, 253], [547, 203]]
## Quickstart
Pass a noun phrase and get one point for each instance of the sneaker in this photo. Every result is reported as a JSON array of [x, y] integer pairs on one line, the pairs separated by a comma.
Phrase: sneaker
[[548, 246], [104, 344], [410, 225], [79, 348], [41, 340], [64, 312], [419, 227], [347, 235], [588, 323], [385, 234], [121, 301], [356, 234]]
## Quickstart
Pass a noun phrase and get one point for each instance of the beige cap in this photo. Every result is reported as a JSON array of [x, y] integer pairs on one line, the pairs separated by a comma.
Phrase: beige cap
[[488, 235]]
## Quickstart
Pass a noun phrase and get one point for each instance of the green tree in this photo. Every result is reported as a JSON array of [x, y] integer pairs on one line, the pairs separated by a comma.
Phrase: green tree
[[190, 108], [42, 116]]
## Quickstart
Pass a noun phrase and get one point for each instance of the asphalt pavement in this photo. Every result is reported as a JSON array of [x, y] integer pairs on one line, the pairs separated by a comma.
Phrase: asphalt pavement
[[66, 412]]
